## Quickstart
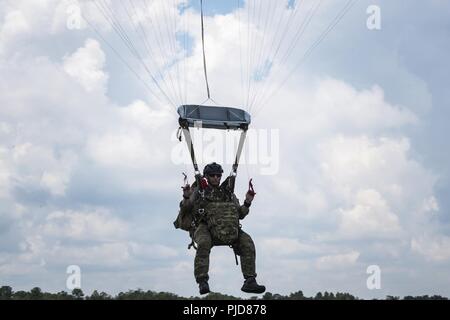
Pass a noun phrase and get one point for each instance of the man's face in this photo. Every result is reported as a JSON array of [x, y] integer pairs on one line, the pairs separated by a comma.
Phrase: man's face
[[214, 179]]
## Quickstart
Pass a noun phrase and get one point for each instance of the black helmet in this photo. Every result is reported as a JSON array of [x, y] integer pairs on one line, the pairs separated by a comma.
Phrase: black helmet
[[212, 168]]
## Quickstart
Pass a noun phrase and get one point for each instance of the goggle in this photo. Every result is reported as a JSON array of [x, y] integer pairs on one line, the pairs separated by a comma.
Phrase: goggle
[[218, 175]]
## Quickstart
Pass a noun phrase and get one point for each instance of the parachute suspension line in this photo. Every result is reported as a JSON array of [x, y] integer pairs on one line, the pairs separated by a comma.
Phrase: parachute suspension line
[[159, 41], [204, 54], [250, 54], [143, 36], [262, 51], [121, 58], [300, 30], [174, 38], [258, 68], [292, 44], [253, 50], [240, 49], [275, 46], [211, 99], [134, 26], [347, 7], [185, 62], [267, 45], [170, 36], [247, 76], [251, 45], [163, 59], [163, 56], [330, 28], [117, 27]]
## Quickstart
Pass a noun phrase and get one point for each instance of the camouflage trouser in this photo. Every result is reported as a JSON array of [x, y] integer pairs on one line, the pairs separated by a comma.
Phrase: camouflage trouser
[[245, 248]]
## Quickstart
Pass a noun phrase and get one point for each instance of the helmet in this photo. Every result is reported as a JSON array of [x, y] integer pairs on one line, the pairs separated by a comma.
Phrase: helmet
[[212, 168]]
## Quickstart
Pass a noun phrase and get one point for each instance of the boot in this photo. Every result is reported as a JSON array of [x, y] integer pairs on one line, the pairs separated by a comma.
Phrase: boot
[[251, 286], [203, 287]]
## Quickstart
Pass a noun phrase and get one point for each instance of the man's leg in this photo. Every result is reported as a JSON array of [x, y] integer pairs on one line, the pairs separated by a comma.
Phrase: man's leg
[[201, 263], [246, 250]]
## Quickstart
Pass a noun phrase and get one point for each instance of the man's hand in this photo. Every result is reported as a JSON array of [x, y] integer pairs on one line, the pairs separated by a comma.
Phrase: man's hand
[[187, 191], [249, 196], [250, 193]]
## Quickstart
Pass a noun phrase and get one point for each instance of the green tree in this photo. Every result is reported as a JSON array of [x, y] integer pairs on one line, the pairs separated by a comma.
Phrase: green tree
[[6, 293], [99, 296], [344, 296], [64, 295], [297, 296], [36, 294], [78, 294], [20, 295], [267, 296]]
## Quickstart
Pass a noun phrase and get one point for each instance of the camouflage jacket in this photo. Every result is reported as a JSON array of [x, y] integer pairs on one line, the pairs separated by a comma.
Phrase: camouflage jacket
[[185, 218], [188, 205]]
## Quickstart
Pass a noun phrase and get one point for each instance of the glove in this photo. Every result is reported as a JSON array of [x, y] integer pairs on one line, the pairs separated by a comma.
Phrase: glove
[[187, 191], [250, 193], [249, 196]]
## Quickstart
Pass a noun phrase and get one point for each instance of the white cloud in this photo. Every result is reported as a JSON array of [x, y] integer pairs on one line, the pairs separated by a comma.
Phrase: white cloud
[[354, 164], [370, 216], [286, 247], [430, 205], [106, 254], [15, 23], [432, 247], [86, 66], [96, 225], [57, 178], [335, 261], [4, 173], [134, 139], [361, 110], [152, 251], [39, 166]]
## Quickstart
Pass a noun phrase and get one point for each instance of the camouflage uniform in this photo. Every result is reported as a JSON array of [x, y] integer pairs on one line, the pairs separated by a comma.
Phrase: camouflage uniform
[[205, 238]]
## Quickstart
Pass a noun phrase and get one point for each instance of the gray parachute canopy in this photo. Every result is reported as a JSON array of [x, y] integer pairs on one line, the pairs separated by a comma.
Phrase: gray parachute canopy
[[213, 117]]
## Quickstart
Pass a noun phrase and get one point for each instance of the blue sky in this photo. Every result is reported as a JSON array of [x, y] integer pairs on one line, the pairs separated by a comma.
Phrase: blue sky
[[90, 172]]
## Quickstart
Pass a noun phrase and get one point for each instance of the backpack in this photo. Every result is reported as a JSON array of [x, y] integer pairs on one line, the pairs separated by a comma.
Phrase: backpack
[[184, 220]]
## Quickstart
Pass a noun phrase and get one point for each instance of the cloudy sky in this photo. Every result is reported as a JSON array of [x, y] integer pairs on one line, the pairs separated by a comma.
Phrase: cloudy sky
[[349, 155]]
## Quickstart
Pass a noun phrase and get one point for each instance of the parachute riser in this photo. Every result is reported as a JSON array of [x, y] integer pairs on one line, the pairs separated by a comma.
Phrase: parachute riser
[[190, 145], [198, 176], [214, 118], [233, 173]]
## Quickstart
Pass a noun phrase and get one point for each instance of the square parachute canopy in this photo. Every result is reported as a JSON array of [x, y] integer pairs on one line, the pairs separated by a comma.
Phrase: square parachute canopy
[[213, 117]]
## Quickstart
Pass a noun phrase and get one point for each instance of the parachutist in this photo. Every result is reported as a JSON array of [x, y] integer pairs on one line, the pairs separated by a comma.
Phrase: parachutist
[[214, 212]]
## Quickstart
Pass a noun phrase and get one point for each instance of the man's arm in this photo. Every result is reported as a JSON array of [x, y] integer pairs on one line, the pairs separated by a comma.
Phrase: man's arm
[[242, 210]]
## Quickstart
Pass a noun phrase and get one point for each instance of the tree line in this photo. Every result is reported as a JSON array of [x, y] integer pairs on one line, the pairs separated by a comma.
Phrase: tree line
[[7, 293]]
